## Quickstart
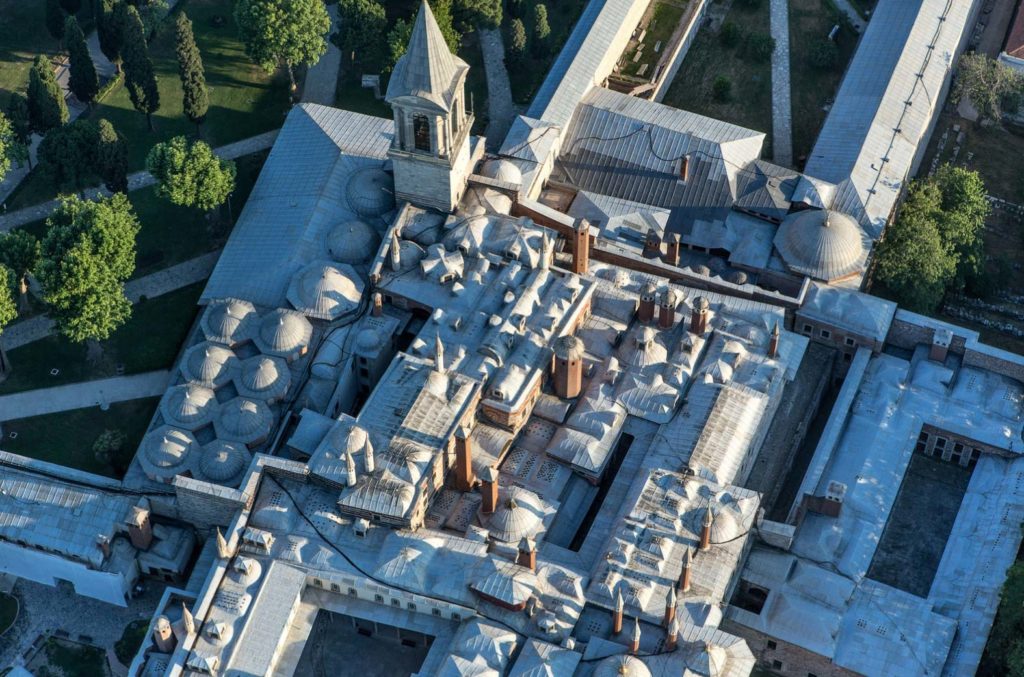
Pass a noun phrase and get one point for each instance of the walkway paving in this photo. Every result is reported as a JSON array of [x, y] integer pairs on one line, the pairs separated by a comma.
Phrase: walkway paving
[[137, 180], [322, 79], [150, 286], [80, 395], [500, 107], [852, 14], [782, 105]]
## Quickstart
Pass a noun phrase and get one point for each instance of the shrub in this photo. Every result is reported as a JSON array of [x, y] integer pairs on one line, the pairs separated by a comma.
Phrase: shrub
[[824, 55], [730, 35], [722, 89], [759, 47]]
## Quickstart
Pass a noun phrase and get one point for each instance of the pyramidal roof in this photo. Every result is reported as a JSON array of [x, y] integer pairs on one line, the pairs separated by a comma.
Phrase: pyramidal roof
[[428, 70]]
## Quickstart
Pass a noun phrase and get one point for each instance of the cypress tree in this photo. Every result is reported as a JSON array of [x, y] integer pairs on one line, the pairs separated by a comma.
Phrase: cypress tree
[[190, 66], [112, 158], [55, 19], [46, 106], [140, 79], [541, 28], [82, 81], [110, 20], [17, 113]]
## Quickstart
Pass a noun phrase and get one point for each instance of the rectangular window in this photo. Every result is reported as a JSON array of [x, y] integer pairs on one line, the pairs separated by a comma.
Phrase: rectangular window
[[940, 443], [318, 583], [421, 132], [396, 602], [335, 587], [849, 341], [825, 334], [456, 616], [353, 592], [378, 598], [808, 329], [436, 612], [411, 606], [771, 644], [776, 665]]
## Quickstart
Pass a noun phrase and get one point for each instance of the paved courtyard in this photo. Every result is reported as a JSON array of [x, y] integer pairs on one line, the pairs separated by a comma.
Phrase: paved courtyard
[[335, 641]]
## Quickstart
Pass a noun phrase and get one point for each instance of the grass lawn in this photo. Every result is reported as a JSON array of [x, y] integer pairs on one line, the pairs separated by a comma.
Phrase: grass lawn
[[61, 658], [8, 612], [66, 438], [23, 35], [149, 341], [750, 104], [244, 99], [131, 640], [172, 234], [660, 29], [813, 88], [527, 75]]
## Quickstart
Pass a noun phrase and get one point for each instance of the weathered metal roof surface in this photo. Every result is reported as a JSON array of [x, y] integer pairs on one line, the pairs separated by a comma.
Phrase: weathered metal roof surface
[[428, 70]]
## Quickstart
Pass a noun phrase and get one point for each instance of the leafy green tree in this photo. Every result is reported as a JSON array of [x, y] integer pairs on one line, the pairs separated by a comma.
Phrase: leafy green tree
[[55, 19], [46, 106], [721, 89], [965, 207], [191, 175], [112, 157], [362, 33], [8, 310], [485, 13], [442, 10], [108, 445], [67, 154], [398, 41], [82, 80], [759, 47], [196, 100], [11, 148], [87, 255], [139, 76], [19, 252], [912, 260], [985, 82], [152, 13], [289, 32], [730, 35], [541, 28], [111, 18], [21, 128], [517, 38]]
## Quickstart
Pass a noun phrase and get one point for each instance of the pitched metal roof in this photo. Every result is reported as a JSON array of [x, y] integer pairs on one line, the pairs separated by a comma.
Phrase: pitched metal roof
[[428, 70]]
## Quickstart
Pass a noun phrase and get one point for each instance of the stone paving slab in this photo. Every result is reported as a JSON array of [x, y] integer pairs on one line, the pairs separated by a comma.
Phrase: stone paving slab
[[500, 107], [322, 79], [80, 395], [782, 104]]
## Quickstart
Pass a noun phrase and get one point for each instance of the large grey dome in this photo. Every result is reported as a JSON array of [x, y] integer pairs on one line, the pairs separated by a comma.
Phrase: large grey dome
[[353, 241], [370, 192], [820, 243]]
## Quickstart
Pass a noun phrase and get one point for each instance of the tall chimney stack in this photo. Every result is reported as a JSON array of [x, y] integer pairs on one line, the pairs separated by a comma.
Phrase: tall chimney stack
[[620, 608], [489, 490], [773, 342], [634, 645], [652, 245], [378, 304], [568, 367], [673, 635], [581, 247], [667, 309], [527, 555], [705, 531], [684, 168], [670, 607], [140, 528], [647, 300], [673, 249], [685, 575], [463, 459], [699, 316]]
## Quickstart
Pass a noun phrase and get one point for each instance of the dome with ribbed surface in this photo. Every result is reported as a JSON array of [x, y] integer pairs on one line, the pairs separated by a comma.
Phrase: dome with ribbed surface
[[229, 321], [284, 333], [264, 377], [244, 420], [502, 170], [208, 364], [325, 291], [370, 192], [165, 452], [821, 244], [222, 460], [188, 405], [569, 348], [622, 666], [352, 242]]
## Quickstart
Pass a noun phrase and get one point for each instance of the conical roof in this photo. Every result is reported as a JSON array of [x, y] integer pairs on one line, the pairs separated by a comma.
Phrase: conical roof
[[243, 420], [229, 321], [283, 333], [208, 364], [188, 405], [428, 70], [264, 377], [821, 244]]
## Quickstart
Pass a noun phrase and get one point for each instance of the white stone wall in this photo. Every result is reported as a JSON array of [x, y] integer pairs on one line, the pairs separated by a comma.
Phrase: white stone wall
[[47, 568]]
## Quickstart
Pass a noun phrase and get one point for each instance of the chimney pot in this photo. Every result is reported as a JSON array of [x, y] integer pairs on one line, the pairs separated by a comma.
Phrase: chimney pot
[[581, 247], [463, 459]]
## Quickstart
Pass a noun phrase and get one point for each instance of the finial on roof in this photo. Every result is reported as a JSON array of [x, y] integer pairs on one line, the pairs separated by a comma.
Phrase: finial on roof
[[222, 546], [428, 69], [438, 353], [187, 620], [688, 558], [671, 602], [636, 630], [709, 517], [350, 467], [396, 252], [619, 602]]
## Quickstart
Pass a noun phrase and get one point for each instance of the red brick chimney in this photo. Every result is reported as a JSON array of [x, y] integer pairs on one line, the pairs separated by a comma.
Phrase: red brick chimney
[[140, 529], [670, 607], [567, 363], [620, 608], [667, 309], [527, 555], [634, 645], [684, 575], [705, 532], [463, 459], [581, 247], [378, 304], [699, 316], [652, 245], [489, 490], [673, 635], [684, 168], [648, 295], [103, 543], [673, 249], [773, 342], [940, 345]]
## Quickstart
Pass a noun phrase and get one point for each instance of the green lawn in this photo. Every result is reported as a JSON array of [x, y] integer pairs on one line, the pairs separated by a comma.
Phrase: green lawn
[[812, 88], [150, 340], [61, 658], [23, 35], [528, 74], [750, 104], [244, 100], [131, 640], [660, 29]]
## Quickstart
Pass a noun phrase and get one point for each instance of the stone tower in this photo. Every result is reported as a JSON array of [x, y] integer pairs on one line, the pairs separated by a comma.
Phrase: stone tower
[[430, 152]]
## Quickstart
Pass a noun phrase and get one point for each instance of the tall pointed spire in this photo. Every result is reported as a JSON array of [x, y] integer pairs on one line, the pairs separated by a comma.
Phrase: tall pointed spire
[[396, 251], [438, 353], [223, 551], [428, 69], [187, 621]]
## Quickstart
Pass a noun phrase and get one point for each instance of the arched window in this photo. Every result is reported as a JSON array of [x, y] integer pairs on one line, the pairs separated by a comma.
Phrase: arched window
[[421, 132]]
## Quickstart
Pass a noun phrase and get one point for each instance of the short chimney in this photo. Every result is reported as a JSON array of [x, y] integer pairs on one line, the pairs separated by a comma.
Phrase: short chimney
[[773, 342], [568, 367], [670, 607], [489, 490], [667, 309], [463, 459], [350, 469], [163, 635], [673, 249], [581, 247], [685, 579], [527, 555], [620, 608], [648, 296], [652, 245], [378, 304], [103, 543], [940, 345], [140, 528], [705, 531], [699, 316], [672, 637], [634, 645], [684, 168]]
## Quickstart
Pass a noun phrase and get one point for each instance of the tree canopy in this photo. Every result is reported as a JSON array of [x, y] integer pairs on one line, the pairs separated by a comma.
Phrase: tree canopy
[[11, 147], [19, 251], [8, 310], [111, 16], [86, 256], [985, 82], [82, 80], [139, 76], [191, 175], [46, 106], [112, 157], [485, 13], [55, 19], [363, 32], [196, 98], [291, 32], [68, 154]]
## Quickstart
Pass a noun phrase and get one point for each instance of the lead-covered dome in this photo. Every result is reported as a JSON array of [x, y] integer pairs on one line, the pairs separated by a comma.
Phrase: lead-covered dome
[[325, 291], [622, 666], [352, 241], [222, 460], [229, 321], [243, 420], [165, 452], [284, 333], [264, 377], [208, 364], [370, 192], [188, 405], [821, 244], [502, 170]]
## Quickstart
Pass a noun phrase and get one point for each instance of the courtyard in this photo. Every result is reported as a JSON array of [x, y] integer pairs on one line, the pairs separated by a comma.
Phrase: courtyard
[[337, 639]]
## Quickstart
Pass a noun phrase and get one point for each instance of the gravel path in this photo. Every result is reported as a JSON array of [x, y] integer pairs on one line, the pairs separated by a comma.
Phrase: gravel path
[[101, 392], [150, 286], [782, 105], [322, 79], [500, 107], [136, 180]]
